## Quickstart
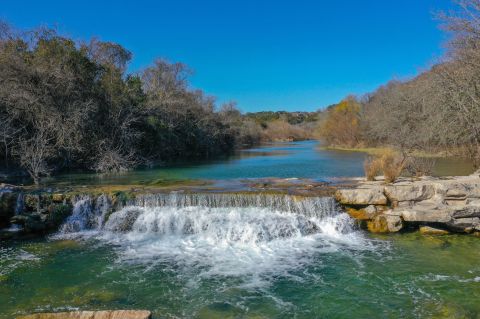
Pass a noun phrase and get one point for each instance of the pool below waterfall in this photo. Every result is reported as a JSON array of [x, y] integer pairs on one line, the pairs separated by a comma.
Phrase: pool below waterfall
[[238, 256]]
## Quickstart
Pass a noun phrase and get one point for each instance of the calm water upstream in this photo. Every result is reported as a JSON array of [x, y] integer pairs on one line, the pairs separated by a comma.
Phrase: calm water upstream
[[240, 256], [283, 160]]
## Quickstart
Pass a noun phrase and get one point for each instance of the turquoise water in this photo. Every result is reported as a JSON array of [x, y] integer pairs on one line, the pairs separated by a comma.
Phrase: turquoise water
[[404, 276], [282, 160], [244, 257]]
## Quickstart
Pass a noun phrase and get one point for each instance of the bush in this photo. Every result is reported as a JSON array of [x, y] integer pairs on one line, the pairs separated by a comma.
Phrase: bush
[[389, 162], [392, 165], [372, 167], [420, 166]]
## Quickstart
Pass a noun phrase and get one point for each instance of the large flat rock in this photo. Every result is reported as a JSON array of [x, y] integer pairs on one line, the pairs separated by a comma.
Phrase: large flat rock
[[409, 192], [421, 214], [107, 314], [368, 195]]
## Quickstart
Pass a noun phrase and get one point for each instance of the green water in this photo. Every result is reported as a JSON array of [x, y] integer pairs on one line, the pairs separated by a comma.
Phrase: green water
[[331, 274], [282, 160], [400, 276]]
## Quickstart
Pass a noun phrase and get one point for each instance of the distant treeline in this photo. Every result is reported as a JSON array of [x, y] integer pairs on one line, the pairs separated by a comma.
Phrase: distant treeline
[[437, 110], [72, 105], [285, 126]]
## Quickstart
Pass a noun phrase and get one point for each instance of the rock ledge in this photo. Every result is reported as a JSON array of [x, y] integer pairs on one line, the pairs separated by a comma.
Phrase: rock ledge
[[448, 204]]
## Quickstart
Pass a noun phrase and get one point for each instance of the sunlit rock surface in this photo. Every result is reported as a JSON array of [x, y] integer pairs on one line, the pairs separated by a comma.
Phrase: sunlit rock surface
[[365, 194], [452, 203]]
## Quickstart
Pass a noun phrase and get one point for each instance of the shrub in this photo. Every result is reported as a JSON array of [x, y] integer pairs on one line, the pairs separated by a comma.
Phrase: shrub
[[420, 166], [392, 165], [372, 167]]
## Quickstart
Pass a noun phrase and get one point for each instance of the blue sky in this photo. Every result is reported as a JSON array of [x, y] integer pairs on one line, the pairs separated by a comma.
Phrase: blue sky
[[266, 55]]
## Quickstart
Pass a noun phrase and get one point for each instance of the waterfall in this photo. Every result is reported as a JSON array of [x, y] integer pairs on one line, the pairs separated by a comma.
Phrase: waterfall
[[286, 203], [226, 234], [20, 204], [86, 215]]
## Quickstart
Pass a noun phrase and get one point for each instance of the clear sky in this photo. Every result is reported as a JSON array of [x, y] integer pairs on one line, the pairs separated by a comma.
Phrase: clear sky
[[266, 55]]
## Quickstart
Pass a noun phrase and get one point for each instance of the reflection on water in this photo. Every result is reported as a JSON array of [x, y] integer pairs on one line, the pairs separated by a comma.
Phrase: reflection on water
[[283, 160], [453, 166]]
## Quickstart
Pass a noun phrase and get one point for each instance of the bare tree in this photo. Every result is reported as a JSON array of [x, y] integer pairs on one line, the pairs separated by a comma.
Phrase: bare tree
[[34, 153], [459, 79]]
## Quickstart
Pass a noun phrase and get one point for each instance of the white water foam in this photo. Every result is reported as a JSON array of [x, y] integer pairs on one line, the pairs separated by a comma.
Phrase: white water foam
[[220, 235], [12, 258]]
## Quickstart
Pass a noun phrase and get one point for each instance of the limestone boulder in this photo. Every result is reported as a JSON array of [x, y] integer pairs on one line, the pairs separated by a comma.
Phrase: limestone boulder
[[464, 224], [371, 195], [31, 223], [427, 230], [466, 211], [456, 190], [409, 192], [385, 223], [366, 213], [473, 202], [422, 214]]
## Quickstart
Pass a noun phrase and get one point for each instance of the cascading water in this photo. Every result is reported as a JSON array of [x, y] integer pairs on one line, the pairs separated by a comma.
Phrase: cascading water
[[86, 215], [218, 234], [20, 203]]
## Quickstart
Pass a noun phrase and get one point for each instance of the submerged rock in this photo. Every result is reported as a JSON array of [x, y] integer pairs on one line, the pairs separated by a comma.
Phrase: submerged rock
[[427, 230]]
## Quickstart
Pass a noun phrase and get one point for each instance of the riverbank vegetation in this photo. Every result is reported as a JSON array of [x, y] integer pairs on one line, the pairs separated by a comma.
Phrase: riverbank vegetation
[[434, 112], [286, 126], [66, 104]]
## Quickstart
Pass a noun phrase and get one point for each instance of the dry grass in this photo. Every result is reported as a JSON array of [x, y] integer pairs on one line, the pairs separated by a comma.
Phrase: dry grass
[[392, 164], [388, 162], [372, 167]]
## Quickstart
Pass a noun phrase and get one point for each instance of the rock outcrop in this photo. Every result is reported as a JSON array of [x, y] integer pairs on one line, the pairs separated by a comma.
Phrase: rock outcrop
[[448, 204], [105, 314], [8, 199], [365, 194]]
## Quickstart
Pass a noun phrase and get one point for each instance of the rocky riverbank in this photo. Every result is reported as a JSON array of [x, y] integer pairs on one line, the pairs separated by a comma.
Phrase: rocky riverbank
[[432, 205]]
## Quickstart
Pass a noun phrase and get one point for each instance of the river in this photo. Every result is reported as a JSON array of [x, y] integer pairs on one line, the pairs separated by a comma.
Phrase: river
[[239, 256], [306, 159]]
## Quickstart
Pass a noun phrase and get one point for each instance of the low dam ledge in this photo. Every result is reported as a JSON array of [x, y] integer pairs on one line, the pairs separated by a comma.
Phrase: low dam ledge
[[435, 206]]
